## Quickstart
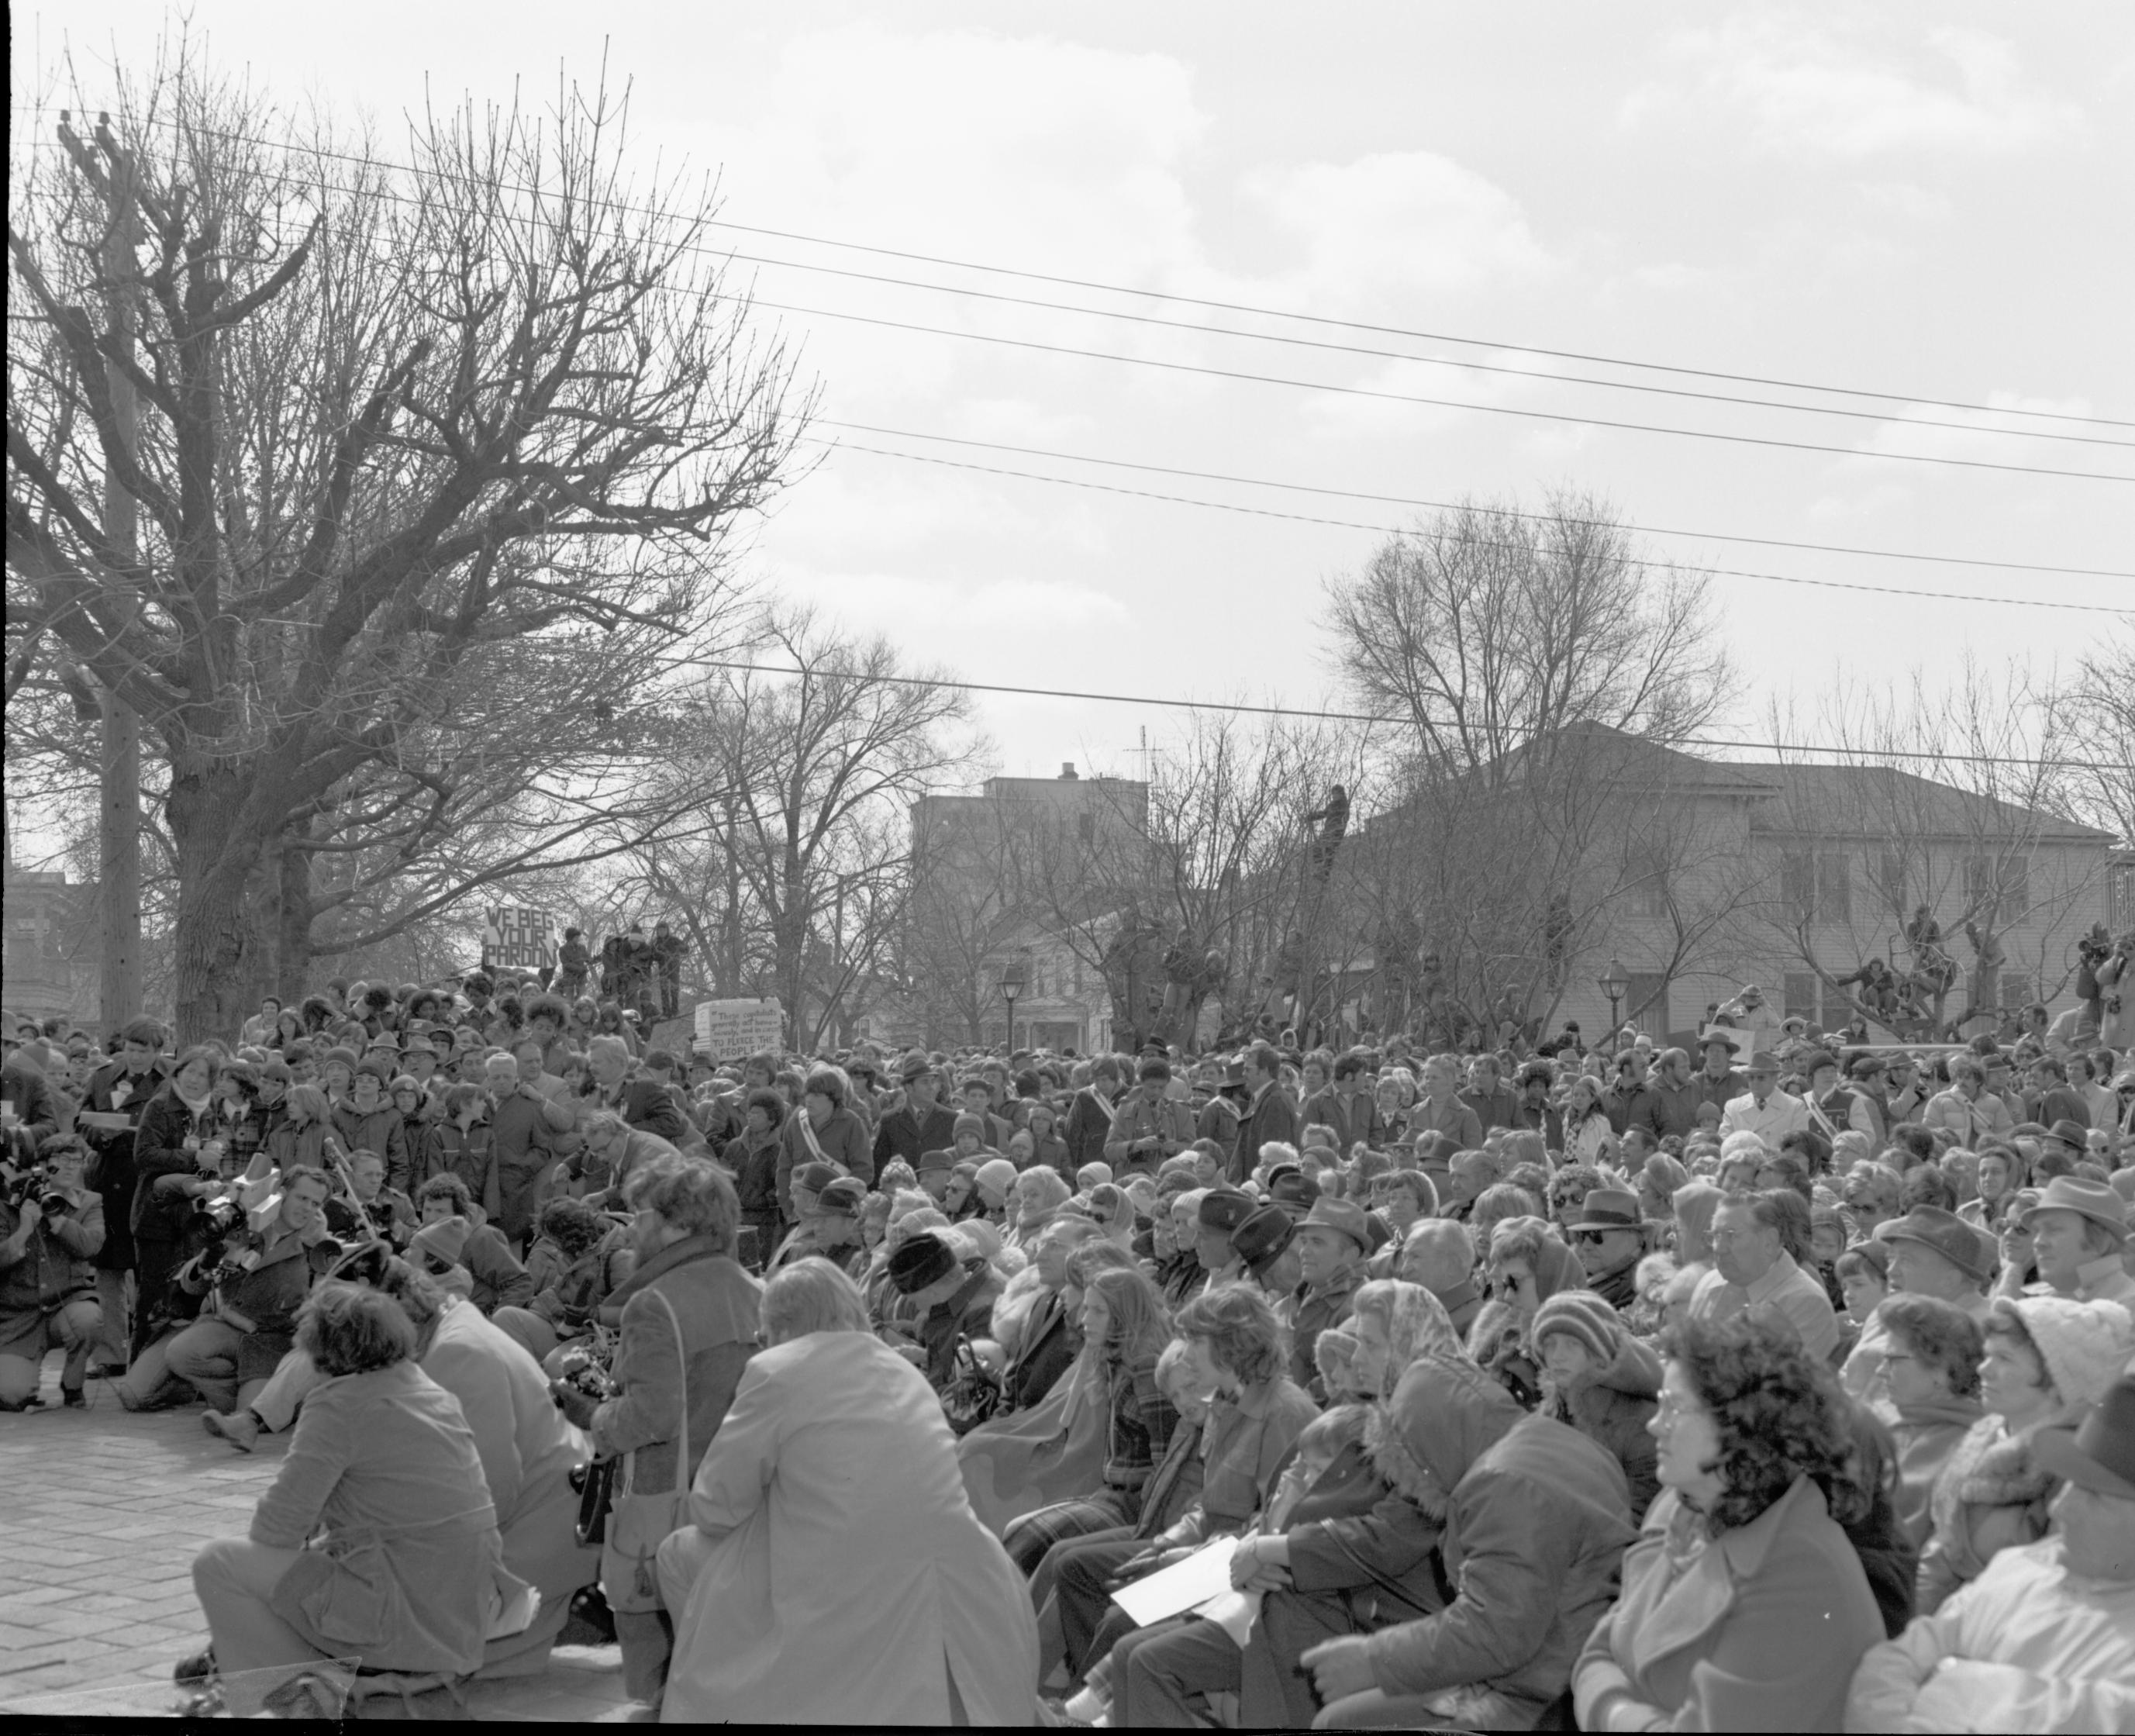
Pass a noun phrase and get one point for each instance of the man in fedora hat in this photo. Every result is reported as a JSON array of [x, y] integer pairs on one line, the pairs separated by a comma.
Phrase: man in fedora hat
[[1610, 1237], [1267, 1243], [2045, 1638], [1935, 1253], [1333, 1243], [1718, 1081], [920, 1124], [1764, 1109], [2080, 1236]]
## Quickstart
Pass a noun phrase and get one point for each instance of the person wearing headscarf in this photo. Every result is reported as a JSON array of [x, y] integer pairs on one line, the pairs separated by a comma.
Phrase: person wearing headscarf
[[1344, 1531], [1532, 1521], [1527, 1266]]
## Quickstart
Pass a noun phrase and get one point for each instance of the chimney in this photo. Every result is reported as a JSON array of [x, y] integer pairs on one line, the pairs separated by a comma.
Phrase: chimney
[[1067, 771]]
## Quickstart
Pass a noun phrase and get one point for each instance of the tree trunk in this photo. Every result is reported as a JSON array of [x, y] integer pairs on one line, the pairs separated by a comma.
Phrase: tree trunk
[[292, 911], [217, 848]]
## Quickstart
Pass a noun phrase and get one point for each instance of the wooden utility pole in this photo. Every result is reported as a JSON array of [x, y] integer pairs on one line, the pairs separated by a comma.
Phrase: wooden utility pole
[[118, 810]]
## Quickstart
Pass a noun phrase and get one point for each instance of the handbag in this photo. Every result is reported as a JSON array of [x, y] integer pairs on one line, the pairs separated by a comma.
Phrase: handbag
[[596, 1501], [972, 1394], [639, 1523]]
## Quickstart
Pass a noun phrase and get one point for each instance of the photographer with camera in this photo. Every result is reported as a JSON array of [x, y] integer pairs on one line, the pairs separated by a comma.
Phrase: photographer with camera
[[255, 1279], [50, 1232]]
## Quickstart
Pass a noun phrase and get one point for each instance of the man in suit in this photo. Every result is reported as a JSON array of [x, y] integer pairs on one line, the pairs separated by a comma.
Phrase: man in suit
[[919, 1124], [1269, 1115]]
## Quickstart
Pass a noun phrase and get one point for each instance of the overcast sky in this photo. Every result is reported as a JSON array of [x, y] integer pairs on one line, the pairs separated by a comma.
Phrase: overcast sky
[[1927, 202]]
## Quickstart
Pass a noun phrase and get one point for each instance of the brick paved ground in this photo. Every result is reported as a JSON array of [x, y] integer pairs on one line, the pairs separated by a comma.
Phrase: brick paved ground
[[100, 1514]]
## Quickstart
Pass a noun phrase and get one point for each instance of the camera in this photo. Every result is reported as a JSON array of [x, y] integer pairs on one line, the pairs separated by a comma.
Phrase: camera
[[38, 1181], [581, 1369], [219, 1213]]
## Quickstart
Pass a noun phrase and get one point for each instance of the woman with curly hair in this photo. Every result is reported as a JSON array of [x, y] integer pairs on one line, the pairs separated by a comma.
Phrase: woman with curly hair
[[1744, 1603]]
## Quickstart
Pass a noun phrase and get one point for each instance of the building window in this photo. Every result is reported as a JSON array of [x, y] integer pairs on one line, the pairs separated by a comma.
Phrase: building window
[[1797, 884], [1649, 898], [1817, 887], [1646, 1003], [1804, 994]]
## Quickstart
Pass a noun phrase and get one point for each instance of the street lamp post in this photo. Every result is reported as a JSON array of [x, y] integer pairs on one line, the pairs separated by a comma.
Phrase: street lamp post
[[1011, 986], [1616, 985]]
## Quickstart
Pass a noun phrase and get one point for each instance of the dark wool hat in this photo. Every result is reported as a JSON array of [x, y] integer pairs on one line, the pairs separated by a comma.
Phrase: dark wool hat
[[913, 1066], [1261, 1240], [926, 1259], [1225, 1209], [975, 1125]]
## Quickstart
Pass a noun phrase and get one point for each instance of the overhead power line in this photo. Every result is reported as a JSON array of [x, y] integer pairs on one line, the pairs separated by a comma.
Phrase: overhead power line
[[1325, 715], [1213, 304], [1405, 500], [1392, 397], [1069, 481], [1445, 361]]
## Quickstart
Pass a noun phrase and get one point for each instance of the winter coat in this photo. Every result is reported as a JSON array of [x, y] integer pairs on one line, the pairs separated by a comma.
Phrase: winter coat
[[1271, 1117], [159, 1150], [1611, 1408], [848, 1580], [110, 1171], [1926, 1435], [1759, 1628], [1536, 1523], [716, 1303], [528, 1450], [57, 1264], [2049, 1651], [411, 1564], [843, 1140], [378, 1130], [1991, 1495]]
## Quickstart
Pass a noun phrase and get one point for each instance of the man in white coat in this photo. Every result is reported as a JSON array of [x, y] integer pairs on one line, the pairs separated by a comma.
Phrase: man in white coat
[[1764, 1109]]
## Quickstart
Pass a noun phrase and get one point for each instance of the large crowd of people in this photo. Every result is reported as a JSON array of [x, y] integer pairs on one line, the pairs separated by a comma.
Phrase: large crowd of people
[[1754, 1387]]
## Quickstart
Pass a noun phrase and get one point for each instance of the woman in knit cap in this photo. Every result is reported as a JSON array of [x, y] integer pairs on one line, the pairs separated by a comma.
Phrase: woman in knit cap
[[1602, 1381], [2047, 1359]]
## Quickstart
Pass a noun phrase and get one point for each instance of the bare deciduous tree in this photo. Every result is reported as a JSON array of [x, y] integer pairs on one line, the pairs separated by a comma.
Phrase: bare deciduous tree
[[395, 430]]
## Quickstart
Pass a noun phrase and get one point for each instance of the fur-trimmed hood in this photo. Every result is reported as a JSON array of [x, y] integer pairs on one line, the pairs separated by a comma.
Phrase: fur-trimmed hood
[[1445, 1414]]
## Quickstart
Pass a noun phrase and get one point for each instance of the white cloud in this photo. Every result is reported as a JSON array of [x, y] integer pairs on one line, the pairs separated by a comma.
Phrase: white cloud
[[1380, 230], [1981, 435], [1800, 87]]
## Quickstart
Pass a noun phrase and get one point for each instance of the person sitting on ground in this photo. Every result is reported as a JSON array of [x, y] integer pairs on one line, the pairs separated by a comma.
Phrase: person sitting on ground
[[2046, 1359], [578, 1258], [465, 1253], [380, 1452], [1754, 1273], [529, 1450], [1610, 1237], [951, 1295], [391, 1214], [1930, 1368], [1438, 1255], [829, 1504], [255, 1281], [1602, 1381], [1744, 1604], [1534, 1521], [2044, 1639]]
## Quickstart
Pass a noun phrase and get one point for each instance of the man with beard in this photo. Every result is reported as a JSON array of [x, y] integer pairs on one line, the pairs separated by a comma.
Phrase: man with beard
[[1609, 1237]]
